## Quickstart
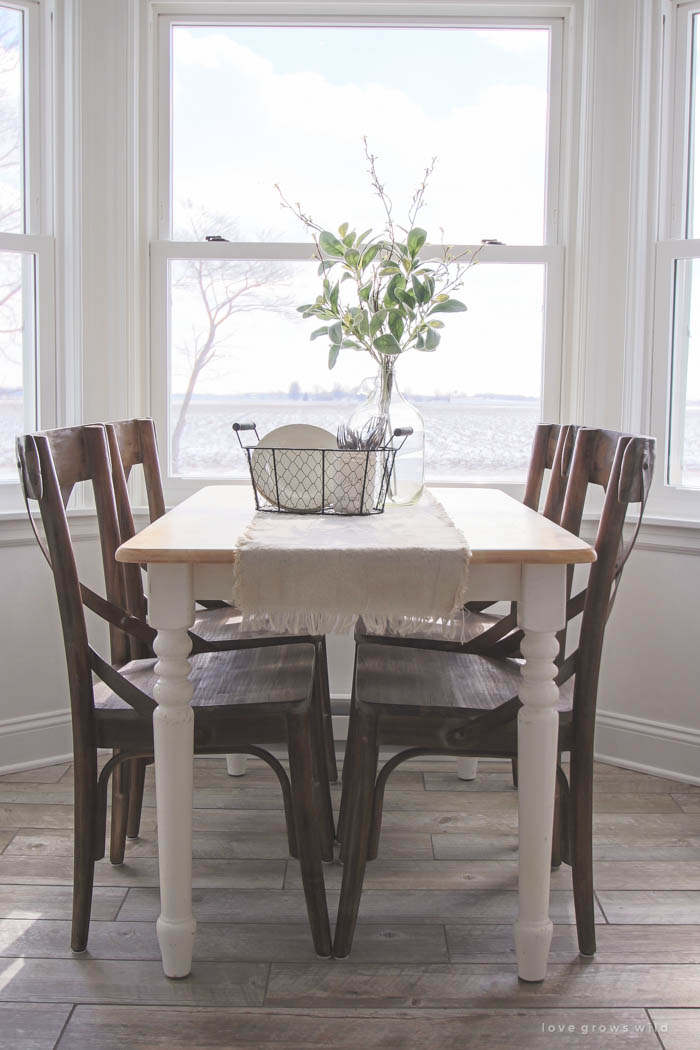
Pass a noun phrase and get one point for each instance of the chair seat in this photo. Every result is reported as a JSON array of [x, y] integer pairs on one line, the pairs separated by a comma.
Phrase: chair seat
[[424, 678], [277, 674], [219, 625]]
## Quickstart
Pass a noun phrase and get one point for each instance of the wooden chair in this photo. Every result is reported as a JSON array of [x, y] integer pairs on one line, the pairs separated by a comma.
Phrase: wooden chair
[[487, 633], [455, 703], [217, 626], [243, 699]]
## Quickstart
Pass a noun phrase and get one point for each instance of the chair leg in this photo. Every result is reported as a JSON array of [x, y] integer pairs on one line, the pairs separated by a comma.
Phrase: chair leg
[[556, 829], [581, 814], [308, 843], [236, 765], [84, 848], [323, 804], [137, 780], [361, 787], [289, 818], [377, 813], [514, 771], [348, 778], [324, 690], [467, 768], [564, 817], [120, 812]]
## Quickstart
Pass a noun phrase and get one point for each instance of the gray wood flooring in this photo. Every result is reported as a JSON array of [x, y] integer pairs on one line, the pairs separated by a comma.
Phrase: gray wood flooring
[[433, 966]]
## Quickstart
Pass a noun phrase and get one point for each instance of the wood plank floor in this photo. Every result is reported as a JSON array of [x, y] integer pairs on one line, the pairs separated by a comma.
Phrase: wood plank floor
[[433, 966]]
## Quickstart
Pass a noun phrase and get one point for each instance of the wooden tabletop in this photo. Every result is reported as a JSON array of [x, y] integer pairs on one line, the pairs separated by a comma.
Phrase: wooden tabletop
[[204, 528]]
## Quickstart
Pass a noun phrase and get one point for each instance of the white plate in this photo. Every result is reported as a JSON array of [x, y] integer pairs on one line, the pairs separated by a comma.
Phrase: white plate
[[299, 474], [298, 435]]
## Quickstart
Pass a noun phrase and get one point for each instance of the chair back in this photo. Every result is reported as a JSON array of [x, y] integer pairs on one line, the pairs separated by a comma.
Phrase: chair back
[[552, 449], [79, 454], [623, 465], [50, 465], [50, 484], [132, 442]]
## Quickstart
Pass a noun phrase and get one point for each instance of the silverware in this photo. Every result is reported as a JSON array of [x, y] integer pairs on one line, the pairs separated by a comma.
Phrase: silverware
[[369, 437]]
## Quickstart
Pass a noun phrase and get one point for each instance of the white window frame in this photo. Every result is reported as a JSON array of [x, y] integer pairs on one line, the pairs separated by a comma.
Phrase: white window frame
[[671, 498], [550, 254], [36, 242]]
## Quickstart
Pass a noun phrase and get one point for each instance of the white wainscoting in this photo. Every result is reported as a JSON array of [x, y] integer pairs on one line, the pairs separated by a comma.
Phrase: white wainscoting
[[34, 705], [35, 740], [658, 748]]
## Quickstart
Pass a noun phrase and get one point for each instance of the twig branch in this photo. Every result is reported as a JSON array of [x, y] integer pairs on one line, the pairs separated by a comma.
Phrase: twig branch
[[379, 188]]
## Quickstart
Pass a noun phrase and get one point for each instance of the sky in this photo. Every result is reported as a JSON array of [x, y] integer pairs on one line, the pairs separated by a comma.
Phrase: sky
[[10, 195], [253, 107], [10, 119], [693, 376]]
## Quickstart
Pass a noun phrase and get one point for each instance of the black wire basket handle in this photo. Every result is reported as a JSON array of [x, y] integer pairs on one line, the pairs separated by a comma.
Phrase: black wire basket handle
[[238, 427]]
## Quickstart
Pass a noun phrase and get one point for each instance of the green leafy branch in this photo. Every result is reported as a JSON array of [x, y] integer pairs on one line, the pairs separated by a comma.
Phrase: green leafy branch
[[397, 295]]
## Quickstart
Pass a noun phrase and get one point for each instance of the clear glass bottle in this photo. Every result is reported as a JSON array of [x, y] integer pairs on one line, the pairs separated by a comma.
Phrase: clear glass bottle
[[387, 401]]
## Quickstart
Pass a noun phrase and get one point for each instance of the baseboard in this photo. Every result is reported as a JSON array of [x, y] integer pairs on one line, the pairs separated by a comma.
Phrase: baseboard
[[35, 740], [658, 748], [43, 740], [340, 728]]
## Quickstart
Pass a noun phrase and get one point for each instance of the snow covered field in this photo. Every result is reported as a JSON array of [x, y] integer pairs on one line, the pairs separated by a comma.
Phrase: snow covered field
[[470, 440], [473, 440]]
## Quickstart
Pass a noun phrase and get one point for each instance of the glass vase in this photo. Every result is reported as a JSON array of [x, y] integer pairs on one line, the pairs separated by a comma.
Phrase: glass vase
[[387, 402]]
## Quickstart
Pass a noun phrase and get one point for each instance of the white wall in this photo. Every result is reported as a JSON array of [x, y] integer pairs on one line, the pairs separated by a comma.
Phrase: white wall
[[648, 701], [648, 697], [34, 689], [34, 706]]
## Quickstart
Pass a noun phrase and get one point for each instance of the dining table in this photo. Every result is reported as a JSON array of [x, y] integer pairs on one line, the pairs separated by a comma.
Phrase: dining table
[[516, 555]]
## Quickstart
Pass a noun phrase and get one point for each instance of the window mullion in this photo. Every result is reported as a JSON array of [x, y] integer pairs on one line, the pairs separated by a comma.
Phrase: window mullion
[[554, 135], [163, 145], [663, 337], [680, 334], [32, 65], [29, 325], [681, 117], [305, 251], [46, 384]]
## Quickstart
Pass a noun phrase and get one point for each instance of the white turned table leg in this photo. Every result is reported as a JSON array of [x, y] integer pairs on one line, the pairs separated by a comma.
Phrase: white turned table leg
[[466, 768], [171, 612], [236, 765], [541, 613]]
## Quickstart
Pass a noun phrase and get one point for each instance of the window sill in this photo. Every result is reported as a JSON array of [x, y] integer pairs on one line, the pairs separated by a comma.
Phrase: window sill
[[658, 533], [15, 530]]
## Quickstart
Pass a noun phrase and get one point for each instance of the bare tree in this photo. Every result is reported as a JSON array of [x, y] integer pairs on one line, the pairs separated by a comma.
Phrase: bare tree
[[11, 322], [10, 121], [223, 290], [10, 318]]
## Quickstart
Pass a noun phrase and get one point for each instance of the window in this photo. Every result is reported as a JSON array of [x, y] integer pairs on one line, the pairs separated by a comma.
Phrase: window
[[244, 106], [676, 377], [26, 254]]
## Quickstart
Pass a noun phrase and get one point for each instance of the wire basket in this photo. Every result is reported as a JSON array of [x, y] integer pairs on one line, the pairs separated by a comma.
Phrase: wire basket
[[320, 480]]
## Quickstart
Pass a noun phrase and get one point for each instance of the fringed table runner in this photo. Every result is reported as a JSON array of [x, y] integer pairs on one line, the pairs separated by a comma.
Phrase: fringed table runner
[[402, 571]]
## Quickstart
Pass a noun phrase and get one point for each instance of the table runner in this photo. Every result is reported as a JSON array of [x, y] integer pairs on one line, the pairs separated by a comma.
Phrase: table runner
[[401, 571]]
